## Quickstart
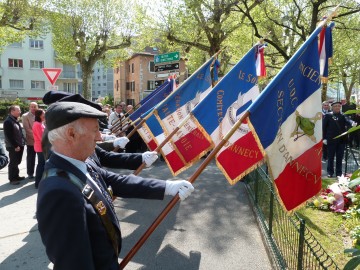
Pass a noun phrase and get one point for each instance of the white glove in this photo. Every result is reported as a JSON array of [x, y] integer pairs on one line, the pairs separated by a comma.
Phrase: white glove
[[109, 126], [184, 188], [121, 142], [354, 124], [149, 157], [106, 137], [325, 142]]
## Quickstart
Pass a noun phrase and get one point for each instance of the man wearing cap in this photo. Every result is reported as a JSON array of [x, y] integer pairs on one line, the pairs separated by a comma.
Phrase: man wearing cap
[[334, 124], [76, 218]]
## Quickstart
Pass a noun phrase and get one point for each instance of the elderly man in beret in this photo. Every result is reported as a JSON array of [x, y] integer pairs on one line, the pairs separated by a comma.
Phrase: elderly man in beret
[[334, 124], [76, 217]]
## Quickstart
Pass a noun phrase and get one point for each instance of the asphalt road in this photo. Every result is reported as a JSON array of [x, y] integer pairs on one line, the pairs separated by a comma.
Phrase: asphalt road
[[214, 228]]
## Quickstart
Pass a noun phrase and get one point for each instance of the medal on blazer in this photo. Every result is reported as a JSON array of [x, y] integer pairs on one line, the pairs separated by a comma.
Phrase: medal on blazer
[[100, 206]]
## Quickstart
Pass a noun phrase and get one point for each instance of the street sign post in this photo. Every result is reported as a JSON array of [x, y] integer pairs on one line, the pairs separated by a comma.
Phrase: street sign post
[[164, 75], [166, 67], [52, 74], [166, 57]]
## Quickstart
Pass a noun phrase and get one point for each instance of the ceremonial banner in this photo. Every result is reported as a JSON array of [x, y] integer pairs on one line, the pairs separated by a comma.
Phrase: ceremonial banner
[[153, 135], [260, 61], [286, 120], [215, 115], [161, 93], [177, 106], [325, 50]]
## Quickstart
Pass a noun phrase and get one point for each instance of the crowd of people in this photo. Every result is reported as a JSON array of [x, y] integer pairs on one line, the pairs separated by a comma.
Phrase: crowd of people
[[71, 174]]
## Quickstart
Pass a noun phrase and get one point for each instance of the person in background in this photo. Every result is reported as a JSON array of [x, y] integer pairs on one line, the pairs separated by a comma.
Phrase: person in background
[[14, 142], [28, 121], [76, 217], [4, 160], [334, 124], [38, 131]]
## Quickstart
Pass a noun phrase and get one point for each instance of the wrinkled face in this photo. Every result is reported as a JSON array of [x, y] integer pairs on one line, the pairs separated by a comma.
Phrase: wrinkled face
[[33, 107], [85, 141], [336, 108]]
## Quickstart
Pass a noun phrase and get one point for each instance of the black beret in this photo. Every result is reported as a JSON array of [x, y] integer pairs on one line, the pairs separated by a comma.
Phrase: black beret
[[53, 96], [80, 99], [61, 113], [335, 102]]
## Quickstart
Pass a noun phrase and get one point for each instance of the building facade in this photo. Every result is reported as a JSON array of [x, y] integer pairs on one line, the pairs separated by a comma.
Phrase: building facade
[[135, 78], [21, 74], [102, 81]]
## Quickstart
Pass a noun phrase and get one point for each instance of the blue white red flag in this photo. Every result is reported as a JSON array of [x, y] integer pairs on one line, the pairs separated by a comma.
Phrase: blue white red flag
[[325, 50], [286, 120], [216, 114], [177, 106], [165, 89], [153, 135], [260, 60]]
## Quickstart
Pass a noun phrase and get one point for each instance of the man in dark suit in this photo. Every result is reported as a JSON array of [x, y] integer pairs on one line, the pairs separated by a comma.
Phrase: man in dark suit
[[334, 124], [76, 219], [14, 143]]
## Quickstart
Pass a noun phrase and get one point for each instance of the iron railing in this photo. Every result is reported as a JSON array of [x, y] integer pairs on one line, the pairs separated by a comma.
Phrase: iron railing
[[291, 244], [351, 157]]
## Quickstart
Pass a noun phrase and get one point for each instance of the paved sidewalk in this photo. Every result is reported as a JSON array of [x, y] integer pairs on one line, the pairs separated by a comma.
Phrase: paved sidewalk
[[213, 229]]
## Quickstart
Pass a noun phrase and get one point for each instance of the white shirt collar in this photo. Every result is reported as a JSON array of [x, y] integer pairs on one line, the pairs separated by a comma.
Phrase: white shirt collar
[[77, 163]]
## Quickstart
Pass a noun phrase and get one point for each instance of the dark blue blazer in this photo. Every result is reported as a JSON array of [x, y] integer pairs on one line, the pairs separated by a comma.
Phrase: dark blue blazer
[[130, 161], [70, 227]]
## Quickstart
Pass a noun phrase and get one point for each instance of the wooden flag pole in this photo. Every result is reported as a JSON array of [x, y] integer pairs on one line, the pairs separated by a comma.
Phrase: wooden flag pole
[[176, 198], [142, 121], [162, 144]]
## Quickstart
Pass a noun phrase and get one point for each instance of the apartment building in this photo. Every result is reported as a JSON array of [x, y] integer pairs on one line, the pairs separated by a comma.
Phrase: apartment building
[[135, 78], [102, 81], [21, 74]]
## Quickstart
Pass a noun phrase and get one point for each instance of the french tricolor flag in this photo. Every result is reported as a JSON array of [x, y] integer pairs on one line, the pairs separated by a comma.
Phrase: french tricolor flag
[[187, 142], [260, 61], [325, 50], [216, 114], [153, 135], [287, 122]]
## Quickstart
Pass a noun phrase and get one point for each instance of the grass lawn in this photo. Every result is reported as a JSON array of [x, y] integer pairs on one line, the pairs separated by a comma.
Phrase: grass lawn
[[330, 229]]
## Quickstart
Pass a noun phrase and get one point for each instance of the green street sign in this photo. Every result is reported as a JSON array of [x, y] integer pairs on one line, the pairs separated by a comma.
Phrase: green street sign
[[166, 57]]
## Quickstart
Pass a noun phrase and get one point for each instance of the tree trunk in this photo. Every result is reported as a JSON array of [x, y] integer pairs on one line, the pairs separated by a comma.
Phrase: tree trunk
[[86, 82], [324, 92]]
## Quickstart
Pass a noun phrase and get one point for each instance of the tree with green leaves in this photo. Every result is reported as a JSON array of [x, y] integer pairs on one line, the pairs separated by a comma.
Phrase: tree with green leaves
[[88, 31], [208, 25], [19, 18]]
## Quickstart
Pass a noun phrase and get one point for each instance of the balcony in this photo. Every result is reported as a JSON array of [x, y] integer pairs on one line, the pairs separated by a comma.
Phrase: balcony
[[67, 75]]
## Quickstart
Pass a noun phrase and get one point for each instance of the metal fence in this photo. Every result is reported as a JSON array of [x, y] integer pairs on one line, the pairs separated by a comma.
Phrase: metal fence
[[291, 244], [351, 157]]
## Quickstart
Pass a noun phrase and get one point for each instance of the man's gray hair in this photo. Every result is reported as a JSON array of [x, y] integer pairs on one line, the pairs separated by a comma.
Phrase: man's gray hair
[[59, 133]]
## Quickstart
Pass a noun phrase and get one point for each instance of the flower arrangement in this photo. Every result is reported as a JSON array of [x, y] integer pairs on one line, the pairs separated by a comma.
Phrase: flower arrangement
[[342, 196]]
